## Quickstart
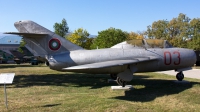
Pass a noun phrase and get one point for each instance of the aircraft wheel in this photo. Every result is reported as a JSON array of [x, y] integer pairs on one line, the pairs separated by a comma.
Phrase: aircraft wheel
[[180, 76], [113, 76], [121, 82]]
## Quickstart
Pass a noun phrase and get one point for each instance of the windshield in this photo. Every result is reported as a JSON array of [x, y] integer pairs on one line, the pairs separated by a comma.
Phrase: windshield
[[150, 43]]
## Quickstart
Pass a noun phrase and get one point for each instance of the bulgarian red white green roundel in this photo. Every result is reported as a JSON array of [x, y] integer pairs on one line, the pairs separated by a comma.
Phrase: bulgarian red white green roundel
[[54, 44]]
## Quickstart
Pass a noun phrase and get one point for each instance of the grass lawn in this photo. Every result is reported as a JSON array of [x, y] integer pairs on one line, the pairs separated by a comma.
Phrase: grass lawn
[[39, 89]]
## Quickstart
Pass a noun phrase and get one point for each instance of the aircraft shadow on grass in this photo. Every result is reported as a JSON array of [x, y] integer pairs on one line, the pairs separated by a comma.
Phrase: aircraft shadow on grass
[[94, 81], [51, 105], [152, 88]]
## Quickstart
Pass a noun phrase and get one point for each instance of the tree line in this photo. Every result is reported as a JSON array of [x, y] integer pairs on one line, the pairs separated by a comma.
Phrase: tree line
[[180, 31], [105, 39]]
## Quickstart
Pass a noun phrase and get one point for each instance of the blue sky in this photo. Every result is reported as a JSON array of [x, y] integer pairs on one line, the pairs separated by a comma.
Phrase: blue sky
[[94, 15]]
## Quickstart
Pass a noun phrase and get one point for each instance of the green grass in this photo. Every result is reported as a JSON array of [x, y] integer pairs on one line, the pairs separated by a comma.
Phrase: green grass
[[39, 89]]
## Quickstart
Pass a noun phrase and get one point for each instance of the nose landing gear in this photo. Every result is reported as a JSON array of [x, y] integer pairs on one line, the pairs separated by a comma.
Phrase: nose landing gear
[[180, 76]]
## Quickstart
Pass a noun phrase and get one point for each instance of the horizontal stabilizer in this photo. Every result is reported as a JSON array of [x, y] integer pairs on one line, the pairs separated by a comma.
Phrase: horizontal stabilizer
[[27, 34], [109, 63]]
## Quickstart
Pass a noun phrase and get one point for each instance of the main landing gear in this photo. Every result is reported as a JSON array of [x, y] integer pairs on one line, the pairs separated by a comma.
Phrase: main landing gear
[[123, 77], [180, 76], [119, 81]]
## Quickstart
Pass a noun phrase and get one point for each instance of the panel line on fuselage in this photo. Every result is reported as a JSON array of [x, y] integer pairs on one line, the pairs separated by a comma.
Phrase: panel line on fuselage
[[154, 52]]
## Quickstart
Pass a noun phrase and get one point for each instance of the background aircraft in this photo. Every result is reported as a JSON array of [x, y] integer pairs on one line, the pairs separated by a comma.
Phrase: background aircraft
[[5, 57], [121, 61], [25, 56]]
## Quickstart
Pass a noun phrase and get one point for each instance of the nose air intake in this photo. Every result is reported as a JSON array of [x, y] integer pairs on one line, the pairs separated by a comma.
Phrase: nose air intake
[[192, 57], [195, 59]]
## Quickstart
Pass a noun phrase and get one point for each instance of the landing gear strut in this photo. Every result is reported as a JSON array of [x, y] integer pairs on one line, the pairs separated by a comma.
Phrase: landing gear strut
[[121, 82], [180, 76], [113, 76]]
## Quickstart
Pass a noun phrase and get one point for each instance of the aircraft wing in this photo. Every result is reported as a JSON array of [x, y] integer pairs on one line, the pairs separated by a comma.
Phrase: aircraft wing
[[110, 63]]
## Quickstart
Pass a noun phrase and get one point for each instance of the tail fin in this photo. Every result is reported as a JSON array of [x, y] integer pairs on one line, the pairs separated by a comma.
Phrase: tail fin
[[42, 40]]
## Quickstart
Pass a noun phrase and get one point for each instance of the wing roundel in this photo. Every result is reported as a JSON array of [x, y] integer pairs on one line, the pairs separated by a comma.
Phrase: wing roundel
[[54, 44]]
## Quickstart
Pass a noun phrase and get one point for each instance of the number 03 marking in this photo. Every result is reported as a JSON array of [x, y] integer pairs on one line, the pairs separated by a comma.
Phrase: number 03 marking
[[178, 56], [168, 58]]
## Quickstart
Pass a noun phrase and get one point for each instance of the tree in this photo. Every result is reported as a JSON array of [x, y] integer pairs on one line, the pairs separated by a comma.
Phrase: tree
[[108, 38], [158, 29], [88, 43], [133, 35], [176, 31], [61, 28], [79, 37], [22, 44], [194, 43]]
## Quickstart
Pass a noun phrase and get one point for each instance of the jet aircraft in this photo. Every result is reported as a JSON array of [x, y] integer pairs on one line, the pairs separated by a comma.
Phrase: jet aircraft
[[120, 61]]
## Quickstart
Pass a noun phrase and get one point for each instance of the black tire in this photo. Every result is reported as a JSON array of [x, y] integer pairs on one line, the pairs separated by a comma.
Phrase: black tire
[[180, 76], [121, 82]]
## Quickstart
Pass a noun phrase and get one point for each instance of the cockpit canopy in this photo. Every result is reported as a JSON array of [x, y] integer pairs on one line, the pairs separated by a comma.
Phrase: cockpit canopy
[[144, 43]]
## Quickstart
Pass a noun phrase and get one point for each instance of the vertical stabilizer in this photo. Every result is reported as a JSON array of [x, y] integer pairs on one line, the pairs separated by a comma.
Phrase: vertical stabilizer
[[42, 40]]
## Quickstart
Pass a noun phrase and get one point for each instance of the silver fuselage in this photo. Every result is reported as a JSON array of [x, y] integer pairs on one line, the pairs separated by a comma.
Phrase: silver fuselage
[[167, 59]]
